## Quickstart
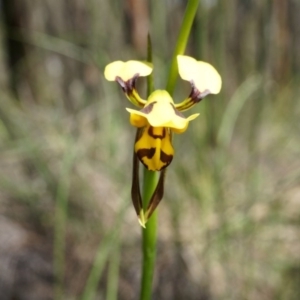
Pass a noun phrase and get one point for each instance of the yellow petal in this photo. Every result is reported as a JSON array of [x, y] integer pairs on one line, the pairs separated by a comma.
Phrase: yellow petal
[[204, 75], [181, 130], [160, 112], [136, 119], [127, 70]]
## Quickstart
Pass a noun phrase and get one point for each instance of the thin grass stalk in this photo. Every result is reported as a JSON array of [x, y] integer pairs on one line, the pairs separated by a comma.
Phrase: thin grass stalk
[[60, 217], [113, 271], [183, 36], [103, 252]]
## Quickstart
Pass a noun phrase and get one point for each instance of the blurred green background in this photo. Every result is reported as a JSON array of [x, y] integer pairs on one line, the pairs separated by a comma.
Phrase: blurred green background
[[229, 224]]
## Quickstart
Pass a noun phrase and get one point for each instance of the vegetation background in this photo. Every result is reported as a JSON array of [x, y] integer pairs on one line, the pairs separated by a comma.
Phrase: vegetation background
[[229, 224]]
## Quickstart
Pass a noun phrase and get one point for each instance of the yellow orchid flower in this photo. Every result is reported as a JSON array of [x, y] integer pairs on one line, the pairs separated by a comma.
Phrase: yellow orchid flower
[[203, 78], [204, 75], [126, 74], [159, 117], [127, 70]]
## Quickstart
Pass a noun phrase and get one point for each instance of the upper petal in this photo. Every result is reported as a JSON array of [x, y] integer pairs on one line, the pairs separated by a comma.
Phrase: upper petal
[[160, 112], [204, 75], [162, 108], [127, 70]]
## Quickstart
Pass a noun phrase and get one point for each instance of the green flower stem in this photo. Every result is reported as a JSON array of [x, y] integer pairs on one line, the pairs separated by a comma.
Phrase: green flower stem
[[149, 237], [184, 33], [151, 178]]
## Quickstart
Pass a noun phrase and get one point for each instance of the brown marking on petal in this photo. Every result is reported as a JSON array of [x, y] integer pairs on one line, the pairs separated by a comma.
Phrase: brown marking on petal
[[177, 112], [129, 85], [142, 153], [145, 153], [131, 82], [147, 109], [122, 83], [165, 158], [156, 136], [195, 95]]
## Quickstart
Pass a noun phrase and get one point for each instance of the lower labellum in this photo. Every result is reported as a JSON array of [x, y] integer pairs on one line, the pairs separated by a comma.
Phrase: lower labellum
[[154, 148]]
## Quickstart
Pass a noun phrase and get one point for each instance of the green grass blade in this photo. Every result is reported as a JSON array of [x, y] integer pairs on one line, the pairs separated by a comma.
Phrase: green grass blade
[[60, 223], [234, 107], [184, 34]]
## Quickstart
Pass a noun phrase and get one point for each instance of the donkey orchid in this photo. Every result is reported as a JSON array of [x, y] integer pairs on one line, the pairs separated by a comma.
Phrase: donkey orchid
[[159, 117]]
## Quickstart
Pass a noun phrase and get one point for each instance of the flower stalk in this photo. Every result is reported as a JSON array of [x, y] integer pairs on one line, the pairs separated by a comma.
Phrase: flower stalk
[[149, 237], [150, 177], [149, 234], [156, 119]]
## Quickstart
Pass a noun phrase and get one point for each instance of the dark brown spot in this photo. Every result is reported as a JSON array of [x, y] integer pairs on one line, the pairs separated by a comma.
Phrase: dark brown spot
[[165, 158], [149, 153], [156, 136]]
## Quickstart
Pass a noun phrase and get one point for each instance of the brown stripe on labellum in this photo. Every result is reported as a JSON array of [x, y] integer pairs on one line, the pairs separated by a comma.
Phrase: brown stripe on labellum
[[165, 158], [157, 136], [145, 153]]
